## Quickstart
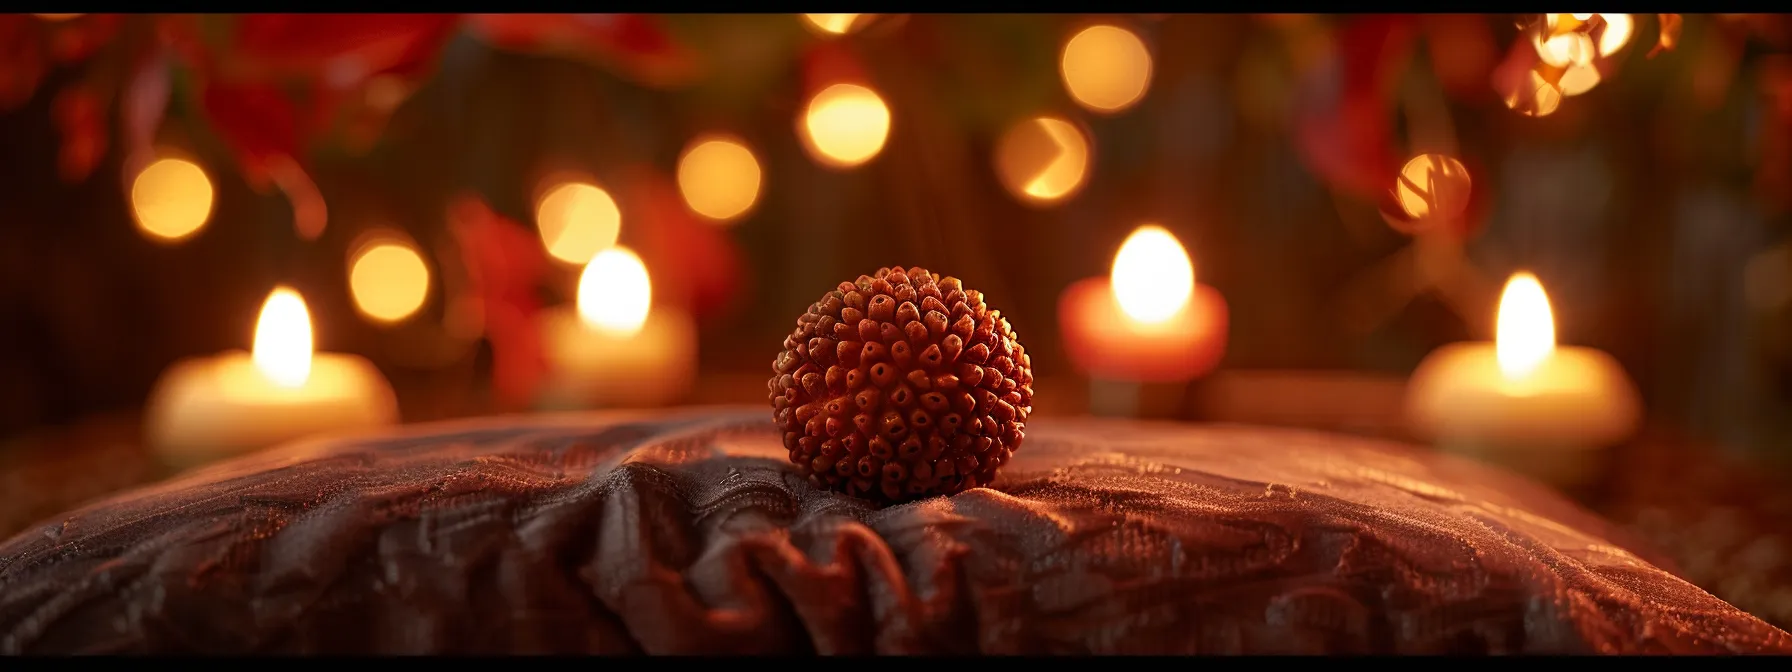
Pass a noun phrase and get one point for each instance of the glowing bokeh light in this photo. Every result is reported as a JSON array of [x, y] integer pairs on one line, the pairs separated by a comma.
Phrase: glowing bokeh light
[[53, 18], [719, 178], [1525, 331], [615, 293], [388, 279], [171, 199], [1534, 96], [845, 125], [1565, 49], [1618, 29], [1433, 186], [1152, 277], [1043, 159], [282, 347], [833, 24], [1578, 79], [1106, 68], [577, 220]]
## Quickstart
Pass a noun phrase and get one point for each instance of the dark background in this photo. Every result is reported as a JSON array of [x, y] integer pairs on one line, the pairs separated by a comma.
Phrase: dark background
[[1653, 208]]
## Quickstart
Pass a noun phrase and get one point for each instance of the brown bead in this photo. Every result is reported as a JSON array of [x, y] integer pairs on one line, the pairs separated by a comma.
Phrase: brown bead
[[906, 313], [847, 353], [935, 320], [950, 348], [898, 385], [902, 355], [883, 374]]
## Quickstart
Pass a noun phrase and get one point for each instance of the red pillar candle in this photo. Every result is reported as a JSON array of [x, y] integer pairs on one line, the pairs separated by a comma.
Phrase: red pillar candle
[[1148, 321]]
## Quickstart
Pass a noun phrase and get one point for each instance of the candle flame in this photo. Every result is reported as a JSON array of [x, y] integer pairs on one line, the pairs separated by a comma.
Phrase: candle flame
[[615, 293], [1152, 277], [282, 349], [1525, 333]]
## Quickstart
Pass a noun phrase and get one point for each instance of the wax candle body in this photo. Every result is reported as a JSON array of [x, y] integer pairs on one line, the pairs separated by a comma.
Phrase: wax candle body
[[1550, 423], [206, 408], [593, 367], [1105, 342]]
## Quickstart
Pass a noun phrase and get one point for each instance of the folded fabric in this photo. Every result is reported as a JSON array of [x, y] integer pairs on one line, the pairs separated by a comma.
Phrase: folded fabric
[[687, 531]]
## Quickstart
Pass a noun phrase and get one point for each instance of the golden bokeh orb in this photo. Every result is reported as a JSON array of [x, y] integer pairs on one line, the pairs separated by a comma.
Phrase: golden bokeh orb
[[577, 220], [1106, 68], [171, 199], [1433, 187], [388, 279], [845, 125], [834, 24], [719, 178], [1043, 159]]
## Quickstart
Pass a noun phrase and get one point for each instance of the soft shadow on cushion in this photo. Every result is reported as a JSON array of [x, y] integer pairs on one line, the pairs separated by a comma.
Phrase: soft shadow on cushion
[[686, 531]]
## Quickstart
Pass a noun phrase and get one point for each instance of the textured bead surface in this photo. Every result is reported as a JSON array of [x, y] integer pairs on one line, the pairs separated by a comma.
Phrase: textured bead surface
[[901, 385]]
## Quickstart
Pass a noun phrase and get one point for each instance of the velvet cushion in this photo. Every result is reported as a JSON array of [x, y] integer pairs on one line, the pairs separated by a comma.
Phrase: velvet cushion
[[686, 531]]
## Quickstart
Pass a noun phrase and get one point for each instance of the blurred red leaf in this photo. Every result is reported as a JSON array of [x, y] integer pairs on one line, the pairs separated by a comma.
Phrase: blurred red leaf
[[830, 62], [692, 262], [22, 52], [1462, 52], [635, 45], [1344, 127], [505, 264], [144, 100], [338, 55], [78, 38], [343, 49], [1669, 36], [257, 121], [81, 117], [309, 212]]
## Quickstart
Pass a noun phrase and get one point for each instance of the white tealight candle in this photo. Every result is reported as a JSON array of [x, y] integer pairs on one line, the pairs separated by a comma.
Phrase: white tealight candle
[[1522, 401], [614, 348], [206, 408]]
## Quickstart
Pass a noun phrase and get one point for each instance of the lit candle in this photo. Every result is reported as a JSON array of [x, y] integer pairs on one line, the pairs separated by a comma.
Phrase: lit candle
[[1148, 321], [205, 408], [614, 348], [1521, 400]]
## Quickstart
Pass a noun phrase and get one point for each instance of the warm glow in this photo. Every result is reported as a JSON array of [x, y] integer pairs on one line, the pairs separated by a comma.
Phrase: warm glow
[[388, 280], [614, 292], [56, 17], [1578, 80], [282, 348], [171, 198], [833, 24], [1525, 334], [1582, 17], [1565, 49], [1433, 185], [846, 125], [1618, 28], [1106, 68], [1152, 276], [577, 221], [1043, 159], [1534, 96], [719, 178]]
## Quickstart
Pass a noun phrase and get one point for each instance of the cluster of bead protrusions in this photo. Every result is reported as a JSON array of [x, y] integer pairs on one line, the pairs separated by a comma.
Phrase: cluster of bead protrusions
[[901, 385]]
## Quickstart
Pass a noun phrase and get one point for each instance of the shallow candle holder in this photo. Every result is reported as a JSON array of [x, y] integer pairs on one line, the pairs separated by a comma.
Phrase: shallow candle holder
[[1110, 398], [1579, 471]]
